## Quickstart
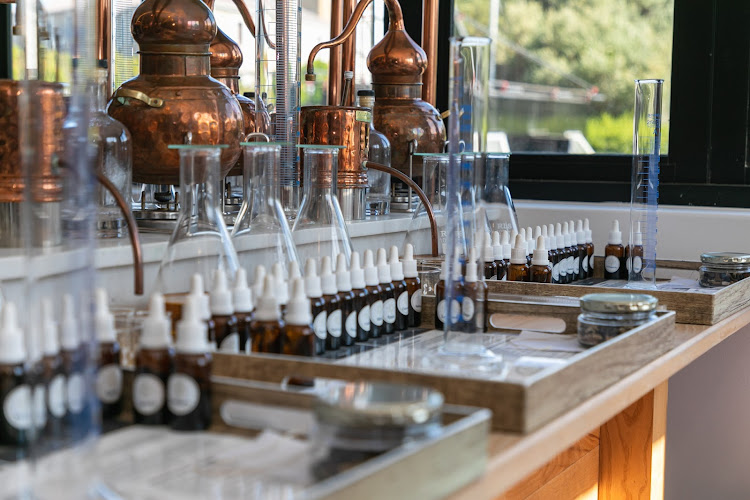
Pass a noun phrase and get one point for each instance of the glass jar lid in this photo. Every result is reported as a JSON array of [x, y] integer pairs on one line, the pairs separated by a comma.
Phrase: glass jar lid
[[725, 258], [363, 404], [618, 303]]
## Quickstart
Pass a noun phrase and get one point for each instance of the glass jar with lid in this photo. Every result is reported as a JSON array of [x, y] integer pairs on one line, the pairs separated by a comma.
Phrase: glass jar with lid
[[607, 315], [360, 420], [723, 268]]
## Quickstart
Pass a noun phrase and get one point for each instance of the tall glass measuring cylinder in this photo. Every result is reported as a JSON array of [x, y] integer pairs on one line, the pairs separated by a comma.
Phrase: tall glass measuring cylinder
[[277, 87], [644, 198]]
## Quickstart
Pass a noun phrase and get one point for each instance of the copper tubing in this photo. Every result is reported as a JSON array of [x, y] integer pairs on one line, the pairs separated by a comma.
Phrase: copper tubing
[[429, 45], [423, 198], [349, 51], [135, 241], [334, 67]]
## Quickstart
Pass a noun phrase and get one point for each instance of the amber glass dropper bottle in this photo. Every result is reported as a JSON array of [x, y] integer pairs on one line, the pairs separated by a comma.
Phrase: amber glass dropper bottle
[[197, 290], [400, 290], [361, 299], [16, 417], [589, 247], [541, 271], [189, 386], [74, 358], [317, 305], [614, 255], [374, 294], [297, 336], [519, 269], [346, 302], [388, 293], [109, 372], [413, 287], [265, 330], [226, 325], [497, 255], [334, 323], [242, 299], [53, 373]]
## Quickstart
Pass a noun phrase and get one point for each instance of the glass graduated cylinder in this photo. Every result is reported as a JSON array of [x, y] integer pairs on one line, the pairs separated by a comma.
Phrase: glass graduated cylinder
[[320, 229], [261, 234], [644, 199], [200, 242]]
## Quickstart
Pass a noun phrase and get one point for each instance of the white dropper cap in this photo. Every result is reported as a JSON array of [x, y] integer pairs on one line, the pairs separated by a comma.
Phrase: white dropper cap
[[384, 270], [221, 296], [505, 241], [559, 238], [529, 233], [487, 253], [518, 255], [541, 256], [358, 274], [552, 237], [545, 233], [268, 308], [12, 350], [497, 247], [397, 268], [371, 272], [530, 242], [282, 286], [343, 276], [294, 271], [69, 339], [522, 232], [513, 235], [298, 310], [566, 234], [471, 267], [242, 296], [580, 233], [192, 331], [587, 230], [638, 237], [260, 278], [327, 278], [615, 236], [410, 263], [197, 291], [104, 321], [573, 234], [156, 326], [49, 327], [312, 280]]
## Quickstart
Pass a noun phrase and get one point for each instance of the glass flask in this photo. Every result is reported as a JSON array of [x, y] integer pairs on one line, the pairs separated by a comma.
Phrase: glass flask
[[200, 242], [378, 183], [495, 195], [112, 150], [434, 170], [319, 229], [261, 234]]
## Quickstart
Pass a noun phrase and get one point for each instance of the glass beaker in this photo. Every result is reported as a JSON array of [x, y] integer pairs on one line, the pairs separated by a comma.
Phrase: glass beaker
[[495, 195], [200, 242], [378, 183], [261, 234], [644, 198], [113, 152], [319, 229], [434, 171]]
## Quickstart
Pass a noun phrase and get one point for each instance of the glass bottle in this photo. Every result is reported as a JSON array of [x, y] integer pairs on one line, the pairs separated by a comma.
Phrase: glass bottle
[[109, 373], [474, 303], [242, 299], [113, 152], [400, 289], [614, 255], [332, 302], [496, 196], [314, 292], [378, 183], [346, 302], [519, 269], [226, 325], [387, 294], [261, 234], [361, 299], [374, 296], [200, 242], [298, 336], [433, 183], [589, 247], [413, 287], [16, 416], [320, 229], [265, 330], [541, 271], [53, 373]]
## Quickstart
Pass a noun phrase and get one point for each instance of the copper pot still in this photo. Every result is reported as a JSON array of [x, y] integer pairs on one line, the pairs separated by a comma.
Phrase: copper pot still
[[342, 126], [46, 190], [174, 96]]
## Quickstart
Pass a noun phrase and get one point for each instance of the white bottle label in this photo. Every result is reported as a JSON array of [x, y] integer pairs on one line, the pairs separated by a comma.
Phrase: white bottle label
[[376, 313], [416, 300], [109, 383], [17, 408], [56, 396], [585, 264], [637, 264], [319, 325], [389, 311], [148, 393], [351, 324], [571, 269], [468, 309], [612, 264], [231, 343], [183, 394], [591, 263], [440, 311], [363, 318], [576, 265], [403, 303], [75, 393], [455, 311], [556, 272], [334, 323], [40, 406]]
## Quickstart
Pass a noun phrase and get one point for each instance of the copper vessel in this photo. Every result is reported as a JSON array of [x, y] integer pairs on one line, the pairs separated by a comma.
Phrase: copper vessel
[[174, 96], [342, 126]]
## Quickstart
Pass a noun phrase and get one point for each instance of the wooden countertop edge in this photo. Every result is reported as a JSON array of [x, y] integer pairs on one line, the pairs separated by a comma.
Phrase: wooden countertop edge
[[512, 457]]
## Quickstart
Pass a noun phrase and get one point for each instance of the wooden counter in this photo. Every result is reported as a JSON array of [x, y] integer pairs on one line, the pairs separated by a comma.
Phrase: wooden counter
[[611, 446]]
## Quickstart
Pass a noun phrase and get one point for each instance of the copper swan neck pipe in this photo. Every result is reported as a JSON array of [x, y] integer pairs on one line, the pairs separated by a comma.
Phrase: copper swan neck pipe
[[420, 194], [395, 20]]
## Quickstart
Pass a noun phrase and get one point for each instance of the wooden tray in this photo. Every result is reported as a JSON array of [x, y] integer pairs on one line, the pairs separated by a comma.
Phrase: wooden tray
[[519, 402]]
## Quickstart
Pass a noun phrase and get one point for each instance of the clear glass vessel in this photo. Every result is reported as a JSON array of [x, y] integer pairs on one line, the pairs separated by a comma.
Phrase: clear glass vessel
[[495, 195], [320, 229], [113, 153], [434, 171], [261, 234], [200, 242], [378, 183]]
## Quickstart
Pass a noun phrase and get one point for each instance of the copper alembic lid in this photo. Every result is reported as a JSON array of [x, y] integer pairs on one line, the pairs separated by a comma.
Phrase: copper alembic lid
[[174, 96]]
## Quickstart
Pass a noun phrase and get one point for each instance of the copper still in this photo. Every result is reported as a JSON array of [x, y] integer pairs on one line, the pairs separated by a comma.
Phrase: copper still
[[46, 189], [342, 126], [174, 96]]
